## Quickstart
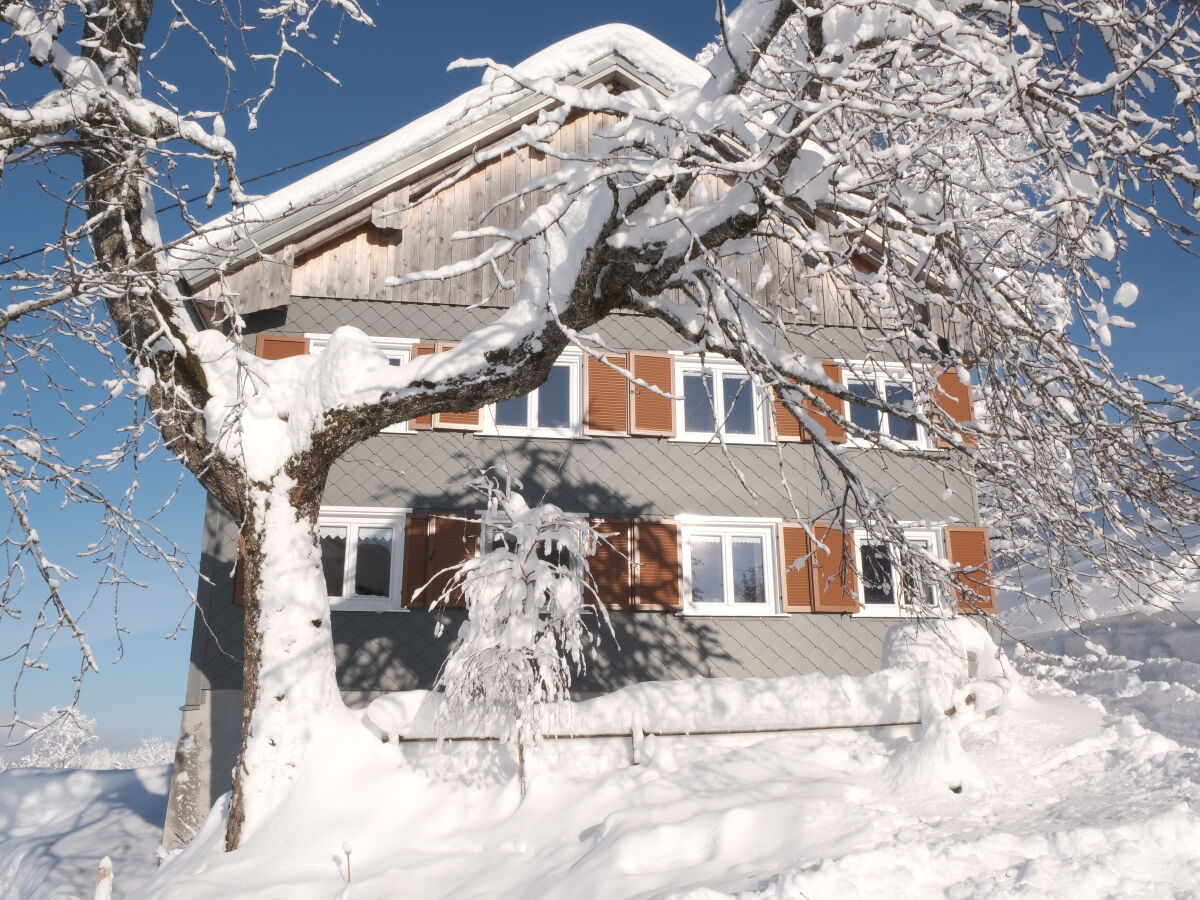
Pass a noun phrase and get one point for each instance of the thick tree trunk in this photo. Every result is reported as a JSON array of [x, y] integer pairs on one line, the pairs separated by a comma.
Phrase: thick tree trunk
[[289, 679]]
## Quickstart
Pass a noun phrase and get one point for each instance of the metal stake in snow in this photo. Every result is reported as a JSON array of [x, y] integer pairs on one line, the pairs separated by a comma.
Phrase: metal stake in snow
[[346, 850], [104, 880]]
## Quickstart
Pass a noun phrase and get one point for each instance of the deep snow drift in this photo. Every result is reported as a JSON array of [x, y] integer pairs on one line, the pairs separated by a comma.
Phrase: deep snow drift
[[1068, 790], [1084, 782], [57, 824]]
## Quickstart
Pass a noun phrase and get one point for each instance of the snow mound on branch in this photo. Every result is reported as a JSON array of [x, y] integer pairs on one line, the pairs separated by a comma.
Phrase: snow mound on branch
[[56, 825], [343, 178]]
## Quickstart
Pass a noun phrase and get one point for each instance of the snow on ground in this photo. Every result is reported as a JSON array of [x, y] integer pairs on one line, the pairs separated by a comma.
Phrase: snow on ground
[[57, 824], [1072, 789], [1084, 783]]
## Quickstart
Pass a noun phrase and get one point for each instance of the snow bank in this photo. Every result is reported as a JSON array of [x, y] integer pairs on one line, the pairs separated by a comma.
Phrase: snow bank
[[56, 825]]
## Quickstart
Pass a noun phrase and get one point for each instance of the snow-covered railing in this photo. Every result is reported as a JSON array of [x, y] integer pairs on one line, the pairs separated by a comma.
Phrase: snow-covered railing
[[697, 707]]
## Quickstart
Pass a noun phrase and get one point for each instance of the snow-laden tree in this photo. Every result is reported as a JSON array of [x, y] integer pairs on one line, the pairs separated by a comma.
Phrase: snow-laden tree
[[967, 173], [525, 635], [60, 739]]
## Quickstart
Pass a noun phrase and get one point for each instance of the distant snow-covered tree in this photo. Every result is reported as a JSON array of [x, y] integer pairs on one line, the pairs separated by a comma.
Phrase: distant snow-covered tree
[[60, 739]]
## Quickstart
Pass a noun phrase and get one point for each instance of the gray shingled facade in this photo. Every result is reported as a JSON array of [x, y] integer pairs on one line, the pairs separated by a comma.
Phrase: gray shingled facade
[[630, 476]]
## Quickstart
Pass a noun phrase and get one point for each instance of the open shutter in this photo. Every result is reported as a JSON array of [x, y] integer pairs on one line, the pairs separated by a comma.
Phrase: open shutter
[[787, 426], [605, 396], [458, 421], [835, 583], [972, 560], [954, 399], [422, 423], [658, 574], [416, 536], [833, 432], [651, 413], [277, 346], [452, 539], [795, 568], [611, 566]]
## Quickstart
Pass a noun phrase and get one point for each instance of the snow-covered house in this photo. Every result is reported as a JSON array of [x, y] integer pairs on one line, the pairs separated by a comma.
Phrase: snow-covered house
[[698, 574]]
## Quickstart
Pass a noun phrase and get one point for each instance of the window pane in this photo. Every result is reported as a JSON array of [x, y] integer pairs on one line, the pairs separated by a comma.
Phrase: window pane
[[901, 429], [697, 404], [749, 582], [916, 591], [708, 577], [738, 397], [373, 570], [333, 557], [513, 412], [862, 416], [877, 575], [554, 399], [556, 553], [395, 361]]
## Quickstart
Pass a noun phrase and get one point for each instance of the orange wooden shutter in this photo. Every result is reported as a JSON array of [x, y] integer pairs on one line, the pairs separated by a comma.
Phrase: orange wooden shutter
[[657, 584], [422, 423], [458, 421], [416, 533], [611, 566], [652, 414], [452, 539], [954, 399], [834, 433], [787, 426], [835, 583], [605, 396], [795, 568], [277, 346], [972, 560]]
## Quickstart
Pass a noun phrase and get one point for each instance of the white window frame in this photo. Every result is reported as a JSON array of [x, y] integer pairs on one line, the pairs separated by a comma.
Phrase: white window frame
[[572, 358], [903, 607], [352, 518], [691, 527], [395, 349], [880, 375], [718, 366]]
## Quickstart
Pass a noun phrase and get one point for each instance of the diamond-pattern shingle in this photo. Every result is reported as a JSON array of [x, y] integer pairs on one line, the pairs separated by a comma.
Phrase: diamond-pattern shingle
[[614, 476]]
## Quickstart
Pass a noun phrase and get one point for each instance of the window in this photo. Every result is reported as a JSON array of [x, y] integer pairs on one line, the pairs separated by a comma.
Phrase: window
[[882, 591], [718, 394], [554, 409], [397, 350], [890, 385], [361, 556], [729, 568]]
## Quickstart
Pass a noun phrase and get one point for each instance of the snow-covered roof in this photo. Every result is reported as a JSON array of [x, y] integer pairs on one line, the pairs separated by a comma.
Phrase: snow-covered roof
[[276, 219]]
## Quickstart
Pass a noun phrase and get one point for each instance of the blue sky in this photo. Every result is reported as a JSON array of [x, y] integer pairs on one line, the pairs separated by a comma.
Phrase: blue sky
[[390, 75]]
